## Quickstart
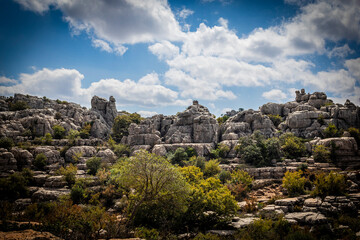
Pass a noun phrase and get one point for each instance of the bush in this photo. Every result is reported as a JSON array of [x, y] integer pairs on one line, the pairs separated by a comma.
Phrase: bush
[[191, 152], [121, 149], [69, 173], [240, 176], [179, 156], [15, 185], [207, 236], [40, 161], [224, 176], [294, 183], [47, 139], [148, 234], [331, 131], [321, 153], [93, 165], [58, 116], [6, 143], [196, 161], [85, 131], [355, 133], [276, 119], [252, 155], [292, 146], [19, 105], [77, 193], [122, 123], [221, 151], [211, 168], [240, 184], [59, 132], [222, 119], [329, 184]]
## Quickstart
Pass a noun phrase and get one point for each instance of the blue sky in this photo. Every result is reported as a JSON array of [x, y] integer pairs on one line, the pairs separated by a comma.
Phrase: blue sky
[[156, 56]]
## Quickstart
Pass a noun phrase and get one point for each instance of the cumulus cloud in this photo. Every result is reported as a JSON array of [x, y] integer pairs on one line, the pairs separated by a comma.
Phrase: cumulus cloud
[[5, 80], [341, 52], [147, 113], [184, 13], [275, 95], [147, 92], [104, 46], [117, 22], [164, 50]]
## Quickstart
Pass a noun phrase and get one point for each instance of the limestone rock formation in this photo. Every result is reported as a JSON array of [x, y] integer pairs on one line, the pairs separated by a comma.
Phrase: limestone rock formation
[[107, 109]]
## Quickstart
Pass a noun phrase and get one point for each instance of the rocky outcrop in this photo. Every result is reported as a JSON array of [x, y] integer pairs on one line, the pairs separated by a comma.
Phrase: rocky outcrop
[[107, 109], [7, 161]]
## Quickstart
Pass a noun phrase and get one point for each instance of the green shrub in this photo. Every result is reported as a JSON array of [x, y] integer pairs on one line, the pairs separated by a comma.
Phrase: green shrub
[[85, 131], [17, 106], [122, 123], [329, 184], [224, 176], [331, 131], [77, 193], [321, 153], [355, 133], [276, 119], [93, 165], [240, 176], [58, 116], [240, 184], [179, 156], [222, 119], [196, 161], [292, 146], [252, 154], [294, 183], [40, 161], [6, 143], [59, 132], [121, 149], [212, 168], [207, 236], [69, 173], [16, 185], [223, 150], [47, 139], [191, 152], [148, 234]]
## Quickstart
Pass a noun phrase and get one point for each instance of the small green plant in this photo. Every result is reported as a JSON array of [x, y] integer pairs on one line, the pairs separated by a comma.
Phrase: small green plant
[[85, 131], [6, 143], [276, 119], [355, 133], [93, 165], [148, 234], [207, 236], [331, 131], [321, 153], [47, 139], [212, 168], [222, 119], [58, 116], [59, 132], [16, 185], [121, 149], [69, 173], [77, 193], [224, 176], [329, 184], [40, 161], [294, 183], [18, 105], [191, 152]]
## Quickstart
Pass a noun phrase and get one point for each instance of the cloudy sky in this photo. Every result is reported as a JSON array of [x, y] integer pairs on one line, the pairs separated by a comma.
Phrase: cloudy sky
[[155, 56]]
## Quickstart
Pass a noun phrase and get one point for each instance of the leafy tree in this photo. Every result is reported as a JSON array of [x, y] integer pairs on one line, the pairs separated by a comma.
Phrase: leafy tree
[[59, 132], [16, 185], [179, 156], [292, 146], [159, 191]]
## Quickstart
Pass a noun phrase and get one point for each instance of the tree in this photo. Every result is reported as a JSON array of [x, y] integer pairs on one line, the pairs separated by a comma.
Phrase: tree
[[156, 189]]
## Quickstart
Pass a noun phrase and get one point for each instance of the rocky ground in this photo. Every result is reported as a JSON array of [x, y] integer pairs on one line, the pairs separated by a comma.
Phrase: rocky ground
[[195, 127]]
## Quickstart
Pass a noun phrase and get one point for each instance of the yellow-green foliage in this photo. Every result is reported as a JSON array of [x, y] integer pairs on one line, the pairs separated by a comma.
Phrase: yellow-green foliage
[[292, 146], [240, 176], [59, 131], [212, 168], [154, 187], [93, 165], [85, 131], [276, 119], [207, 236], [294, 183], [69, 173], [222, 119], [332, 131], [192, 174], [122, 123], [329, 184], [321, 153], [148, 234], [15, 185], [40, 161]]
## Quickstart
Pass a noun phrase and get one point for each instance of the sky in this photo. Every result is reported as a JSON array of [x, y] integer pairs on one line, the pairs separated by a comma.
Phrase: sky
[[156, 56]]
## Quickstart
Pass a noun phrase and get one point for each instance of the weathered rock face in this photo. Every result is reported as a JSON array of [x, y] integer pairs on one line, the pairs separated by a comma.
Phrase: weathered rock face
[[245, 123], [7, 161], [345, 149], [43, 114], [195, 125], [107, 109], [79, 152]]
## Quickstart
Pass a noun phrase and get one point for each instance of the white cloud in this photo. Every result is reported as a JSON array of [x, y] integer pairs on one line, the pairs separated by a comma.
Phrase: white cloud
[[120, 50], [104, 46], [5, 80], [164, 50], [275, 95], [117, 22], [223, 22], [341, 52], [66, 84], [184, 13], [147, 113], [354, 67]]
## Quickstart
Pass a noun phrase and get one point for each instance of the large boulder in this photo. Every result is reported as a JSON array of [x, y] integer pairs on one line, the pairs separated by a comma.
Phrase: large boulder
[[107, 109], [7, 161], [79, 151]]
